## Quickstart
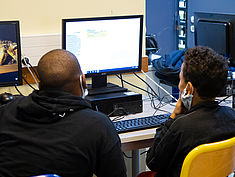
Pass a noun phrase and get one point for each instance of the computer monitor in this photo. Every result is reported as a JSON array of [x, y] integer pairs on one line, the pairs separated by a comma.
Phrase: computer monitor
[[105, 45], [216, 31], [10, 54]]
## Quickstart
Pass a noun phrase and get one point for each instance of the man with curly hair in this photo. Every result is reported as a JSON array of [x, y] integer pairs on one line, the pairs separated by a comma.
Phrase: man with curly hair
[[197, 117]]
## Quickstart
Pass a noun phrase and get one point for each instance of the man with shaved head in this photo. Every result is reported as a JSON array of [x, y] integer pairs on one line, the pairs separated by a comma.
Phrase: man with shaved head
[[55, 131], [60, 69]]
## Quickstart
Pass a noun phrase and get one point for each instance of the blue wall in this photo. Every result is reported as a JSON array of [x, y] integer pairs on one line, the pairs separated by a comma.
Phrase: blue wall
[[160, 20], [209, 6]]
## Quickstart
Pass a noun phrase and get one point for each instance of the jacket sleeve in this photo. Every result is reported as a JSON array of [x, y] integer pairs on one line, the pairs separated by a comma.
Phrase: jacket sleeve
[[111, 160], [161, 153]]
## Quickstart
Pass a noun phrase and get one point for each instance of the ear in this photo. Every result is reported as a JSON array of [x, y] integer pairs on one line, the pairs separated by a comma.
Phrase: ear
[[189, 88], [84, 81]]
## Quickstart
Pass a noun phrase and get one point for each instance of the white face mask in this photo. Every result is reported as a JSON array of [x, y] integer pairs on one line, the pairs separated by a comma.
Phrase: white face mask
[[186, 99], [84, 92]]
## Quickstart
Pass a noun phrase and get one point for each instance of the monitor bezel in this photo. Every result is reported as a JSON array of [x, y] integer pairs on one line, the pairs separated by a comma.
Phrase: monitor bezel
[[64, 21], [18, 41], [220, 18]]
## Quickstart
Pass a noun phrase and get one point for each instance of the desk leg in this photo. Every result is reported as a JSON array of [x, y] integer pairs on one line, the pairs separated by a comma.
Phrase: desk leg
[[135, 162]]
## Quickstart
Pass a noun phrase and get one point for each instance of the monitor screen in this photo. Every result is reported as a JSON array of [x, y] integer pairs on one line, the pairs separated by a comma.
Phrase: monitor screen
[[10, 54], [105, 45]]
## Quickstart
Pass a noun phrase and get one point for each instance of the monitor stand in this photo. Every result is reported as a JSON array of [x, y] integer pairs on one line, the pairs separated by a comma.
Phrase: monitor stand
[[100, 86]]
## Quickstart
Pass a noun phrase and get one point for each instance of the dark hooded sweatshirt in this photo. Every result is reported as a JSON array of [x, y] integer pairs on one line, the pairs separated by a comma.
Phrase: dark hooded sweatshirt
[[53, 132]]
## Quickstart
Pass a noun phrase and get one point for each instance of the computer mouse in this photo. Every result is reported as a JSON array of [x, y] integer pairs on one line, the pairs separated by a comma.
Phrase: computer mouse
[[5, 98]]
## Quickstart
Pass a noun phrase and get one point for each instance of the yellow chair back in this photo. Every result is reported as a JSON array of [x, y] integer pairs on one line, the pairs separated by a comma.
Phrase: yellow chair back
[[210, 160]]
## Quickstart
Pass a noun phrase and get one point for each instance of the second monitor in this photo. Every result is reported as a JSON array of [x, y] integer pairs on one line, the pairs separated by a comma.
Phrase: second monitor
[[216, 31]]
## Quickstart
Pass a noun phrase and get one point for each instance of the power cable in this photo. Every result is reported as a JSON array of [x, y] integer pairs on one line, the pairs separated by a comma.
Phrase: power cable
[[159, 86], [18, 91], [26, 62], [28, 83], [135, 86]]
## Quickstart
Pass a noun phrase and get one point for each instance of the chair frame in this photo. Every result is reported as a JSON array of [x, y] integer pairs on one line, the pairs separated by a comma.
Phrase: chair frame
[[210, 162]]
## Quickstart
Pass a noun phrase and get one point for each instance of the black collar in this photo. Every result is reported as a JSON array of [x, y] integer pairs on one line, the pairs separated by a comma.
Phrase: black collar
[[209, 104]]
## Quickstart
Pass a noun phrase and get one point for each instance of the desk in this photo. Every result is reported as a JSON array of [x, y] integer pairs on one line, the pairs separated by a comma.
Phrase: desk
[[133, 141]]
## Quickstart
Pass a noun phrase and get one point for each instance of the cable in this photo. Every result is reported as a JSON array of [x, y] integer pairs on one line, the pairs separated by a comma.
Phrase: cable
[[129, 157], [143, 152], [135, 85], [224, 99], [117, 109], [153, 103], [28, 83], [34, 71], [121, 81], [18, 91], [147, 84], [96, 108], [32, 75], [151, 95], [26, 62], [152, 99], [232, 82], [160, 104], [157, 108], [118, 118], [159, 86]]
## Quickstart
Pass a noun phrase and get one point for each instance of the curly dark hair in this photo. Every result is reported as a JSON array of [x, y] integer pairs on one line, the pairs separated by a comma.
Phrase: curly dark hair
[[206, 70]]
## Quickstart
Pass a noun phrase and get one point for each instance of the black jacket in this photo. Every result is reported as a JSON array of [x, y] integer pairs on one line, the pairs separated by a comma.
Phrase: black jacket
[[205, 123], [56, 132]]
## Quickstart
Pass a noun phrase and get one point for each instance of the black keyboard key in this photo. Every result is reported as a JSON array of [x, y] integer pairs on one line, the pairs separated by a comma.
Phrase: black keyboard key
[[140, 123]]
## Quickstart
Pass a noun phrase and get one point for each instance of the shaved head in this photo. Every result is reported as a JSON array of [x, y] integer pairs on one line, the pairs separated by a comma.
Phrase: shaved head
[[59, 69]]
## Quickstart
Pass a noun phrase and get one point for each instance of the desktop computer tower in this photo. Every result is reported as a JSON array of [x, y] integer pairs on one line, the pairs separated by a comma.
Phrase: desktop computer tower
[[117, 104]]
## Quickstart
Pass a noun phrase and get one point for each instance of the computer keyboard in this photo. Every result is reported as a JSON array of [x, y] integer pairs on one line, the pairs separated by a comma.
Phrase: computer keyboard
[[140, 123]]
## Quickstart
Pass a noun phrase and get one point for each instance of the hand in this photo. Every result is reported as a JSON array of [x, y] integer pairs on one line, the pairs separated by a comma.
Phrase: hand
[[179, 108]]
